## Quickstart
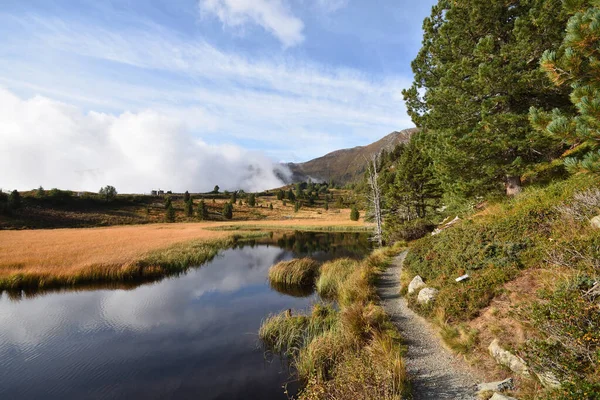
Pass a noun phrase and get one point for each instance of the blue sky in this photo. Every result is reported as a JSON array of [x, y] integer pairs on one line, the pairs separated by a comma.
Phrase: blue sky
[[278, 80]]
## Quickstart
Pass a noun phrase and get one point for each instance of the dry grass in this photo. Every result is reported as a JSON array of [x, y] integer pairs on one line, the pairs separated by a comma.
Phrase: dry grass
[[353, 353], [297, 272], [113, 253], [332, 276]]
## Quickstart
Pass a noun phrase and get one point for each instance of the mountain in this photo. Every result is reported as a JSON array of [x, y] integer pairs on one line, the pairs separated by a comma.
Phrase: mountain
[[346, 165]]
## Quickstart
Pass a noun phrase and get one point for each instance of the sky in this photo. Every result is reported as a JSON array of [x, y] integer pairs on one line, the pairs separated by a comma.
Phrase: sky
[[188, 94]]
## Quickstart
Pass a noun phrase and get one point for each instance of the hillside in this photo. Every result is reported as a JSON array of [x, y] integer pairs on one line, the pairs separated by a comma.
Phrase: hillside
[[346, 165]]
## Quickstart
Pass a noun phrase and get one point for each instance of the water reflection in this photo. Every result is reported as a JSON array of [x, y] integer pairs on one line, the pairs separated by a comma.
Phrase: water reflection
[[187, 336]]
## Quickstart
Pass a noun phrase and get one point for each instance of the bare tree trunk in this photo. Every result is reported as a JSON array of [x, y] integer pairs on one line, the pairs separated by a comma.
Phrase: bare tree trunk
[[513, 185], [375, 200]]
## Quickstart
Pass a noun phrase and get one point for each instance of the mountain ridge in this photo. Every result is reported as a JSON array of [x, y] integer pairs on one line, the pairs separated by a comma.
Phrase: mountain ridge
[[346, 165]]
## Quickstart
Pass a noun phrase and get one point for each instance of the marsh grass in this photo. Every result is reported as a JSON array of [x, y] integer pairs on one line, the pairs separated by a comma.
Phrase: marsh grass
[[153, 265], [354, 352], [296, 272], [332, 276]]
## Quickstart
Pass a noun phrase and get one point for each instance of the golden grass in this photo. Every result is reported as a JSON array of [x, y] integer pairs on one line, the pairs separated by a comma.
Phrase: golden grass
[[66, 256], [296, 272], [332, 276]]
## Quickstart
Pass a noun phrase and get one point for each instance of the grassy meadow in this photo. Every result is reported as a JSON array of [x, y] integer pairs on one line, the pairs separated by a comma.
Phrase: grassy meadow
[[65, 257]]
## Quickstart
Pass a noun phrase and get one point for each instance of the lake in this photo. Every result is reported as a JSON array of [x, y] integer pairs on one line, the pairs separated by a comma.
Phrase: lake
[[189, 336]]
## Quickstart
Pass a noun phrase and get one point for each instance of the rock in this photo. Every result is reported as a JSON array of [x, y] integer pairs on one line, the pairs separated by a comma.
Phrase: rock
[[548, 380], [416, 284], [506, 358], [595, 222], [498, 396], [427, 295], [499, 386]]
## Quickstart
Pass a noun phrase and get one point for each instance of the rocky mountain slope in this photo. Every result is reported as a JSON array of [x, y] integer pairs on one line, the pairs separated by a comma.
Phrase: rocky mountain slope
[[346, 165]]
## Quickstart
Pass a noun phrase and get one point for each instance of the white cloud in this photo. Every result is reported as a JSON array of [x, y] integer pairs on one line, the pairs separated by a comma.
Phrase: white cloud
[[272, 15], [45, 142]]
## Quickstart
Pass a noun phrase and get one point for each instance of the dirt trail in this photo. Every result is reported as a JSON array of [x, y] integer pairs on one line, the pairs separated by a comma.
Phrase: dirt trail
[[434, 371]]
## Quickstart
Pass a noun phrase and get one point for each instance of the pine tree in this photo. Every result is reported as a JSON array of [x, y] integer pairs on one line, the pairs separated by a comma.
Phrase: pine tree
[[297, 206], [189, 208], [228, 211], [280, 194], [252, 200], [186, 196], [354, 213], [14, 200], [290, 195], [202, 211], [234, 197], [415, 190], [170, 213], [326, 205], [575, 65], [477, 71], [271, 206]]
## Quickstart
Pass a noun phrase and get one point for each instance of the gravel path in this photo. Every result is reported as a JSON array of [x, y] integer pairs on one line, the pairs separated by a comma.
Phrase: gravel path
[[435, 373]]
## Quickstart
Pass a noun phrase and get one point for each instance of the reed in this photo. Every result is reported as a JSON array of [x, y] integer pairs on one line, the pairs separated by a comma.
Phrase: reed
[[296, 272], [352, 353], [332, 276]]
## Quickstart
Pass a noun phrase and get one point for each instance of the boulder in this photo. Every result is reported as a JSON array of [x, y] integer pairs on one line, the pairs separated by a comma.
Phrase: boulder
[[498, 396], [548, 380], [427, 295], [595, 222], [416, 284], [499, 386], [506, 358]]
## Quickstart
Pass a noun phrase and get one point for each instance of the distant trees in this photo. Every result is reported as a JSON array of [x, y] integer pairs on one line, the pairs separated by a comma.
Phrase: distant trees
[[354, 213], [186, 196], [228, 211], [216, 189], [252, 200], [14, 200], [297, 206], [202, 211], [271, 206], [233, 197], [280, 194], [108, 193], [40, 193], [326, 206]]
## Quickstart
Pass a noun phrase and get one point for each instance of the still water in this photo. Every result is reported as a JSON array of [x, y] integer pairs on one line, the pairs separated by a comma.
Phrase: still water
[[190, 336]]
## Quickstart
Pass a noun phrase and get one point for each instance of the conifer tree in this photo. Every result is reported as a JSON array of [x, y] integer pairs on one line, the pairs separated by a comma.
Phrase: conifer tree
[[252, 200], [228, 211], [170, 212], [575, 65], [14, 200], [186, 196], [354, 213], [202, 211], [476, 77], [290, 195], [280, 194], [189, 208]]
